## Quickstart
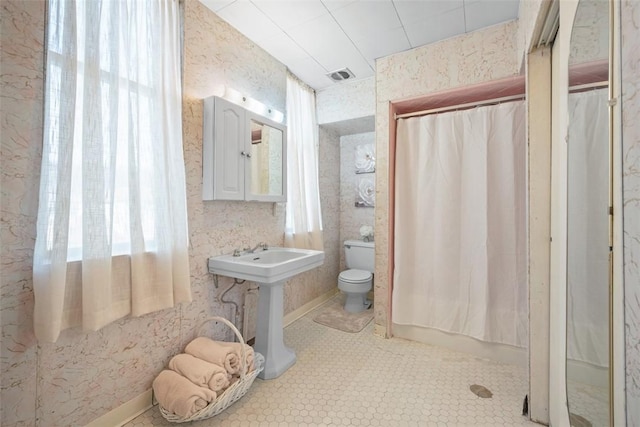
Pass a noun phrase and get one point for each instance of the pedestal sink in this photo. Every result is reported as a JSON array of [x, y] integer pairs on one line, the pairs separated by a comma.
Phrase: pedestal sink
[[269, 269]]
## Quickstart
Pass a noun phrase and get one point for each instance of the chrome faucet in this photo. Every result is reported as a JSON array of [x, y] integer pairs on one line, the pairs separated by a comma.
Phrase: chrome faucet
[[247, 250], [261, 245]]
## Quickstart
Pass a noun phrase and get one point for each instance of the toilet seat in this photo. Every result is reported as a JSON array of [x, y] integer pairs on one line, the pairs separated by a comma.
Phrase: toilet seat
[[355, 276]]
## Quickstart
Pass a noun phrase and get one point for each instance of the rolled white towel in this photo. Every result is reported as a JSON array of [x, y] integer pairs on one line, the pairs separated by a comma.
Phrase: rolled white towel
[[179, 395], [200, 372], [212, 352], [237, 348]]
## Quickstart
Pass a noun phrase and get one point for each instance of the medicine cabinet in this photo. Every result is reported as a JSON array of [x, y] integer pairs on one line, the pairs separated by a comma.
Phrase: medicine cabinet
[[244, 154]]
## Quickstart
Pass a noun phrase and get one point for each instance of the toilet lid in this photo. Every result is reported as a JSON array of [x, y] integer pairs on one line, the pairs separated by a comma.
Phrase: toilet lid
[[355, 276]]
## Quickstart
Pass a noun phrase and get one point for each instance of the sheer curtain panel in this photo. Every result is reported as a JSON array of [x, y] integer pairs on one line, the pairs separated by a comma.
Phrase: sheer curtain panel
[[303, 227], [460, 242], [112, 223]]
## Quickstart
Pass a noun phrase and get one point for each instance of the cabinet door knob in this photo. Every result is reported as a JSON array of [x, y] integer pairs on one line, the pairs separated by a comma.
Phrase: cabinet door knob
[[243, 153], [248, 155]]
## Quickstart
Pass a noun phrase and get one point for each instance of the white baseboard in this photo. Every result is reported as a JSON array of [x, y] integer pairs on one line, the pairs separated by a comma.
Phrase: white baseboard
[[499, 352], [301, 311], [125, 412]]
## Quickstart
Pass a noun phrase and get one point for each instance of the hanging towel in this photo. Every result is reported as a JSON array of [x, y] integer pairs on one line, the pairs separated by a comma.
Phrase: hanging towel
[[200, 372], [179, 395]]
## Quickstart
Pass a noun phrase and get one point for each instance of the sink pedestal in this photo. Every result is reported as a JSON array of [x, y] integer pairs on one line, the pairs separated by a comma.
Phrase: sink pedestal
[[269, 269], [269, 331]]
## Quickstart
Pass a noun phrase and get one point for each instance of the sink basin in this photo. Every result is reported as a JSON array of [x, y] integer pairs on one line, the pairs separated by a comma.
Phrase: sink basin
[[267, 266], [269, 269]]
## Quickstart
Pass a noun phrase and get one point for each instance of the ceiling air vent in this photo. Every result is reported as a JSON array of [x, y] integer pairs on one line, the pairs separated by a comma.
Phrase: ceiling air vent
[[340, 75]]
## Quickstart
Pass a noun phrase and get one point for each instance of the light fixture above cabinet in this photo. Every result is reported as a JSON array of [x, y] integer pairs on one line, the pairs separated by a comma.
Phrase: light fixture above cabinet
[[244, 154]]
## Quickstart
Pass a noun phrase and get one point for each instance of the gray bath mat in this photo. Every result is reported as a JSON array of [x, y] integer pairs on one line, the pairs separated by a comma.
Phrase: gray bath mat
[[334, 316]]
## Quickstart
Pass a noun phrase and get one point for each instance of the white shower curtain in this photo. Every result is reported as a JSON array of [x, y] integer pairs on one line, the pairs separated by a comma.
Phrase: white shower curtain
[[588, 228], [460, 243]]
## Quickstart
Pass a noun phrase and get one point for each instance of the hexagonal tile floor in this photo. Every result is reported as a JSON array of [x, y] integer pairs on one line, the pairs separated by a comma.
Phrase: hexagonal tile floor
[[363, 380]]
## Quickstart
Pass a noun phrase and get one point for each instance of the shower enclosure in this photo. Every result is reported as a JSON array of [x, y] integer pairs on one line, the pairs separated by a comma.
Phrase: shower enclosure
[[460, 226]]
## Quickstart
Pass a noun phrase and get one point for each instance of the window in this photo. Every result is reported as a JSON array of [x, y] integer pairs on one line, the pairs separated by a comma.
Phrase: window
[[303, 227], [112, 178]]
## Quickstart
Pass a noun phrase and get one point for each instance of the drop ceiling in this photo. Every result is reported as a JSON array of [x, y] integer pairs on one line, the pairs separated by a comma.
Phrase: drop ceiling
[[316, 37]]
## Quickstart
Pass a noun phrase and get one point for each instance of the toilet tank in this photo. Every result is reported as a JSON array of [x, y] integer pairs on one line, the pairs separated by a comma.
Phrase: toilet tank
[[359, 255]]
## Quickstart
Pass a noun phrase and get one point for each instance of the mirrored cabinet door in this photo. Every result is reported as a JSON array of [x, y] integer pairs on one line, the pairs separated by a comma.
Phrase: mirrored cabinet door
[[588, 201], [268, 160]]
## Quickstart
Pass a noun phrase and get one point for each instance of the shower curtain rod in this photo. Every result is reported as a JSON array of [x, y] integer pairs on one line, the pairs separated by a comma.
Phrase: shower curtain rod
[[586, 86], [462, 106], [575, 88]]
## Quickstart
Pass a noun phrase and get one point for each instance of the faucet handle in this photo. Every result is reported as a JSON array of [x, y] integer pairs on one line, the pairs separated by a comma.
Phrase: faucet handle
[[236, 252], [264, 246]]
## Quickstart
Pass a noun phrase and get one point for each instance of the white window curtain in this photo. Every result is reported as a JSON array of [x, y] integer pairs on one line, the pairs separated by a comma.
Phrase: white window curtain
[[460, 242], [303, 215], [112, 223], [588, 228]]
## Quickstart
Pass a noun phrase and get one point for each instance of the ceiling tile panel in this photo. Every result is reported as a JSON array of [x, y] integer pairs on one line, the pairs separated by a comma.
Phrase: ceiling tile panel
[[283, 48], [216, 5], [437, 27], [483, 13], [309, 71], [336, 4], [382, 43], [411, 11], [360, 67], [249, 20], [362, 18], [324, 40], [289, 13]]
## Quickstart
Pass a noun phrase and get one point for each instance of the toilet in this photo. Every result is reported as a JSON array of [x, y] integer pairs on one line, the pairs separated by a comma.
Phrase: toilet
[[357, 281]]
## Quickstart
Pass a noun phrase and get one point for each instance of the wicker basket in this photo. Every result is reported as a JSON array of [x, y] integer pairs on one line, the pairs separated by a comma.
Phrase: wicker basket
[[233, 393]]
